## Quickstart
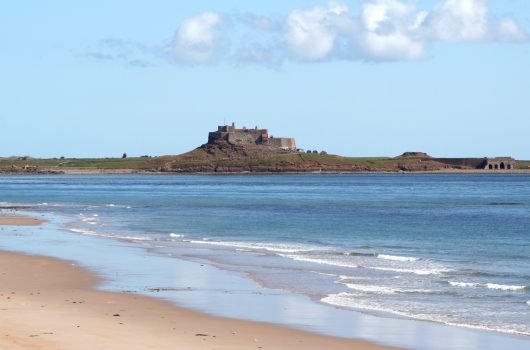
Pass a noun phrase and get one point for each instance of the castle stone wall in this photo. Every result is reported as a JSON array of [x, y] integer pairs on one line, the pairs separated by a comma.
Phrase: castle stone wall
[[247, 135], [282, 142], [258, 136]]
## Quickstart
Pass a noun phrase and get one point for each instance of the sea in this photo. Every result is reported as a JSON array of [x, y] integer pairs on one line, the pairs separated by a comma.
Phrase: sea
[[451, 250]]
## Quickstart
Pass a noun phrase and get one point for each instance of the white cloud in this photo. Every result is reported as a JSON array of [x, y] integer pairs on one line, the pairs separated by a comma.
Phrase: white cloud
[[384, 30], [460, 20], [375, 13], [197, 40], [310, 34], [509, 30], [389, 31], [391, 47]]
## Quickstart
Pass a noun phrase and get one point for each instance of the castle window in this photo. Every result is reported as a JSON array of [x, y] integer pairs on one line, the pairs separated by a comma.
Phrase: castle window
[[502, 166]]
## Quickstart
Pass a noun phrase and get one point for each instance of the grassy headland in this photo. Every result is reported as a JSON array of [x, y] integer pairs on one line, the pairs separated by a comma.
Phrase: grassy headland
[[228, 158]]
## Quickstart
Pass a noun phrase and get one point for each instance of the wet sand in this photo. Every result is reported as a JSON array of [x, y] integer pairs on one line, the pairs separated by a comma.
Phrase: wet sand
[[47, 303], [18, 220]]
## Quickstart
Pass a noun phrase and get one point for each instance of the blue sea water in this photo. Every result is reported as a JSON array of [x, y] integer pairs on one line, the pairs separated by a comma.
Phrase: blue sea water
[[452, 249]]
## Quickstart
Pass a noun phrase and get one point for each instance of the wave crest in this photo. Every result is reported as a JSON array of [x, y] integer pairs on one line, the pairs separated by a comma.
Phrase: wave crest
[[398, 258], [489, 286]]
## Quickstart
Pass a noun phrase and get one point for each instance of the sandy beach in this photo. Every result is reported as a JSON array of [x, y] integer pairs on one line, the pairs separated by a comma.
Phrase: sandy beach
[[18, 220], [47, 303]]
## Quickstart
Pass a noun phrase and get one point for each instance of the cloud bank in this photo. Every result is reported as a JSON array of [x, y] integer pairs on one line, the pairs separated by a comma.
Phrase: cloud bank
[[383, 30]]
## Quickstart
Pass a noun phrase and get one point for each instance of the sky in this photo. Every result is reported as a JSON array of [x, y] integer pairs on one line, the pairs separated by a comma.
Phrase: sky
[[358, 78]]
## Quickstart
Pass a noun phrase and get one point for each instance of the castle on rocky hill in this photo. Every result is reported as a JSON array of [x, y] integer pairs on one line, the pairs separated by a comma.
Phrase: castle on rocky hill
[[258, 136]]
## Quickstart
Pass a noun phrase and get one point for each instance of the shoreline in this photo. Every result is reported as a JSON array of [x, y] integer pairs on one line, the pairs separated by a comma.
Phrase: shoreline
[[225, 296], [47, 302], [90, 171]]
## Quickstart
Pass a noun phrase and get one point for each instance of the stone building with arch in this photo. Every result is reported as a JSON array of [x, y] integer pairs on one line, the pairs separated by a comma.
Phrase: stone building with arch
[[500, 163]]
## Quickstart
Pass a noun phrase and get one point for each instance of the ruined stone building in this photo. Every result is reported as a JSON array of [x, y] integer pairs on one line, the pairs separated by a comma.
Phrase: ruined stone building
[[500, 163], [258, 136], [497, 163]]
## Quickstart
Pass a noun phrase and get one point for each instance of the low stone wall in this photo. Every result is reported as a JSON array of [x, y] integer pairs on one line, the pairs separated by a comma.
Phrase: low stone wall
[[476, 163]]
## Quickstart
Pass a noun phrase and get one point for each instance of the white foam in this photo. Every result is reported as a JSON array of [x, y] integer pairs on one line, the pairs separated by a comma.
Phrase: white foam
[[319, 261], [503, 287], [90, 220], [397, 258], [348, 299], [135, 238], [464, 284], [175, 235], [85, 232], [433, 271], [384, 290], [110, 235], [372, 289], [284, 248], [342, 277], [487, 285]]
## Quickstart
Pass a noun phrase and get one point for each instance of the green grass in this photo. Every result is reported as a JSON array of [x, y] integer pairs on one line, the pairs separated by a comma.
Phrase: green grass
[[107, 163], [523, 164], [294, 159], [7, 162], [197, 158]]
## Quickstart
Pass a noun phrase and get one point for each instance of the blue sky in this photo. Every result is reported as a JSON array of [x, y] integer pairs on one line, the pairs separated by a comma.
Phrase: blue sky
[[356, 78]]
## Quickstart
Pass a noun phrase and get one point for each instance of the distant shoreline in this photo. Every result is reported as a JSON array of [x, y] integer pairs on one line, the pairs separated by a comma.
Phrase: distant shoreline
[[95, 171]]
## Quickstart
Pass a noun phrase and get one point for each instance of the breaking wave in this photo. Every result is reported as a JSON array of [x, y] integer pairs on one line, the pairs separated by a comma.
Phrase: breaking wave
[[398, 258], [319, 261], [385, 290], [433, 271], [111, 235], [488, 285], [284, 248], [175, 235]]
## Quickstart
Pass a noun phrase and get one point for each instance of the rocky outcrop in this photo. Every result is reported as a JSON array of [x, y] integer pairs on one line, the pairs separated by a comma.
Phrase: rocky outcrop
[[221, 149], [413, 155]]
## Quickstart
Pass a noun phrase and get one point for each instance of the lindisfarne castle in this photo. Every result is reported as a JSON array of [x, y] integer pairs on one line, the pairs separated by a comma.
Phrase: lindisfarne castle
[[258, 136]]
